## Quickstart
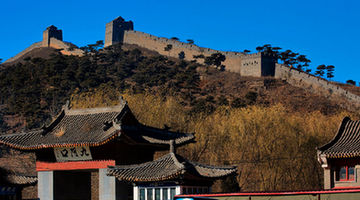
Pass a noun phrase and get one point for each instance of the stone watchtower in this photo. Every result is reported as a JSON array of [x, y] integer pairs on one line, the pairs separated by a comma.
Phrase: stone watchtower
[[51, 32], [115, 31]]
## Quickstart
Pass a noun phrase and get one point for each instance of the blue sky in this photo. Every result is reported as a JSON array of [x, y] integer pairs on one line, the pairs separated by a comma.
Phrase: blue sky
[[326, 31]]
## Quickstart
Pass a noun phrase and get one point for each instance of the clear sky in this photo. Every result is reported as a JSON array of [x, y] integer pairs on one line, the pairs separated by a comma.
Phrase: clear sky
[[327, 31]]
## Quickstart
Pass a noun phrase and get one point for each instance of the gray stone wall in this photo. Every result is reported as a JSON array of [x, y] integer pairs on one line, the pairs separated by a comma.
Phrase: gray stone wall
[[328, 178], [246, 65], [251, 65], [316, 84]]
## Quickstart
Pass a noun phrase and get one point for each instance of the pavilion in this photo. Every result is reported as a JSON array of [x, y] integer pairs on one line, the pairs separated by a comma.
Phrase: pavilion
[[91, 154], [340, 158]]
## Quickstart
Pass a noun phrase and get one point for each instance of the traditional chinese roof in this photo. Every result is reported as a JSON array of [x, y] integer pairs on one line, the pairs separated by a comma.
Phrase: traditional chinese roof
[[17, 170], [168, 167], [91, 127], [346, 142], [17, 179]]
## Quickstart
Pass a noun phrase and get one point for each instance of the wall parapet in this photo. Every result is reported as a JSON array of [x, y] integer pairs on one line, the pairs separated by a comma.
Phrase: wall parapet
[[233, 62], [297, 78], [30, 48], [58, 44], [179, 44]]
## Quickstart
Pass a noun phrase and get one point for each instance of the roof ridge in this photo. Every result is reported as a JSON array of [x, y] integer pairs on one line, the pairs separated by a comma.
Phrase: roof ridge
[[141, 164], [85, 111], [176, 161], [340, 131], [32, 131], [225, 167]]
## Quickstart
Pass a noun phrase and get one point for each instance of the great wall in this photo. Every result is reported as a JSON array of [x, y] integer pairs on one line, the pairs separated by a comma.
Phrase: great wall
[[256, 65], [52, 37]]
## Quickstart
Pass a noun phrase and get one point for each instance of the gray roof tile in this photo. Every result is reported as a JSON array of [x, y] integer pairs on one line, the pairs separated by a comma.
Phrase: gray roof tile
[[168, 167], [91, 127], [346, 142]]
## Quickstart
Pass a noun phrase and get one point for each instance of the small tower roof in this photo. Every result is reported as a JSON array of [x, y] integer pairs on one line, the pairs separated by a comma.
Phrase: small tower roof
[[119, 19], [52, 27]]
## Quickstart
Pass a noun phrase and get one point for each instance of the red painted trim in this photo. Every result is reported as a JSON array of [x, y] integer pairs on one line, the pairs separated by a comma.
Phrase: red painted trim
[[270, 193], [73, 165], [351, 187], [347, 173]]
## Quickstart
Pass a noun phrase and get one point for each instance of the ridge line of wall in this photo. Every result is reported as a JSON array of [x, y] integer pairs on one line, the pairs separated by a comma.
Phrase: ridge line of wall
[[233, 61], [58, 44], [302, 79], [23, 52]]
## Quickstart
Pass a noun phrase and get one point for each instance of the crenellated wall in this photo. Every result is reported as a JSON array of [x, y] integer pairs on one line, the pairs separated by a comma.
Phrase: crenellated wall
[[232, 62], [257, 64], [316, 84]]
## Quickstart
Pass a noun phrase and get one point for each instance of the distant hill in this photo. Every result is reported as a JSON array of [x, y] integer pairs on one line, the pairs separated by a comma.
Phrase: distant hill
[[41, 81], [265, 126]]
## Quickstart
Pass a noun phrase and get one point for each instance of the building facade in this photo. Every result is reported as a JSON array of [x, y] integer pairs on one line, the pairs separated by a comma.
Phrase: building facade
[[340, 158], [79, 155], [169, 175]]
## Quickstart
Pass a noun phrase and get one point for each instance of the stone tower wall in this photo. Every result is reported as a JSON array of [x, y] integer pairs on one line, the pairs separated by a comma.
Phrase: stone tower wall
[[51, 32], [114, 31]]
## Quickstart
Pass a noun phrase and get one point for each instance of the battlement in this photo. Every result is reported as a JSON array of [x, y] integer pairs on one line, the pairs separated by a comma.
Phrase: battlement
[[114, 32], [51, 32], [256, 64], [314, 83], [256, 55], [52, 37], [179, 44]]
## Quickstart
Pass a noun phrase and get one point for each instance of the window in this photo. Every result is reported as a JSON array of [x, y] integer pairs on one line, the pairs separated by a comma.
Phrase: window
[[142, 194], [157, 193], [345, 173], [149, 194], [172, 193], [165, 194]]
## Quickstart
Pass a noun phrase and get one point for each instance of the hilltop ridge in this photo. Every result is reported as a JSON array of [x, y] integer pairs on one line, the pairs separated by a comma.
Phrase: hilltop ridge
[[259, 64]]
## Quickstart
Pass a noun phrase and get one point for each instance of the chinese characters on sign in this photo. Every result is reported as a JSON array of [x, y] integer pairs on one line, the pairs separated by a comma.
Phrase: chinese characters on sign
[[72, 153]]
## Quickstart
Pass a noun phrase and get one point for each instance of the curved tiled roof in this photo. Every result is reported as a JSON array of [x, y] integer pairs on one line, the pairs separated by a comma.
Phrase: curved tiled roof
[[153, 135], [83, 127], [346, 142], [18, 169], [168, 167], [91, 127], [21, 179]]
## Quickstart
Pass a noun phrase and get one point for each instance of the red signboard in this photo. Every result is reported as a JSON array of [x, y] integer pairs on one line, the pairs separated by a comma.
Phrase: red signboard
[[73, 165]]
